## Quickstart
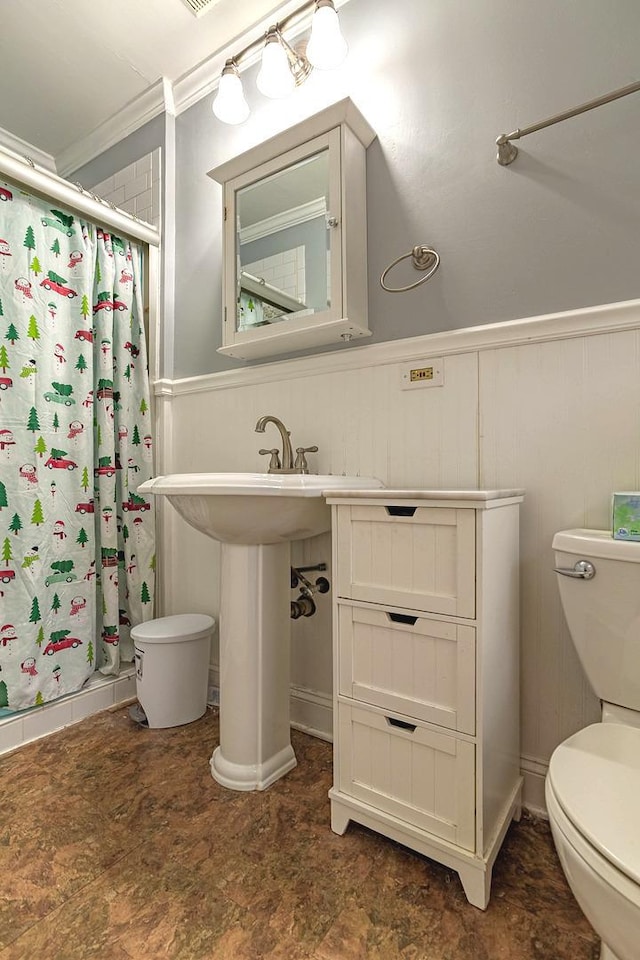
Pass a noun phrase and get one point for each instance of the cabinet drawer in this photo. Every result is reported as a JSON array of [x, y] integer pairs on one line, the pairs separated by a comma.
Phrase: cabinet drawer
[[402, 555], [407, 664], [414, 773]]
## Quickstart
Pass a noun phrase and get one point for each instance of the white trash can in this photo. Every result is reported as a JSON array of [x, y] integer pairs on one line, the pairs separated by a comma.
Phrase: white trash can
[[172, 667]]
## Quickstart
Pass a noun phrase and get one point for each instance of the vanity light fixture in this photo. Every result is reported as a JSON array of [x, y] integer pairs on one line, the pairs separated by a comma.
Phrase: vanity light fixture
[[282, 68], [327, 48], [230, 105]]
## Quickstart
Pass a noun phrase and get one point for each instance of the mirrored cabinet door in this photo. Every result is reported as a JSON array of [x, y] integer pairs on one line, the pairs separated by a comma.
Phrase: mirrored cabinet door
[[295, 272], [285, 239]]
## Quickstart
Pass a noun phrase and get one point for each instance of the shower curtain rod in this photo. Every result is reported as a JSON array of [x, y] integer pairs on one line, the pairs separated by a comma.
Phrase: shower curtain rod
[[506, 150], [26, 173]]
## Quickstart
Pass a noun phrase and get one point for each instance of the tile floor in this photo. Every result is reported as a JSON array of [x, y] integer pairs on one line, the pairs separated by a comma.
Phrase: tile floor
[[116, 843]]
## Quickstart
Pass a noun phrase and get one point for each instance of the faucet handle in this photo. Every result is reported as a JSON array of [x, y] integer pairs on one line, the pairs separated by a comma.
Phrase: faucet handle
[[301, 465], [274, 462]]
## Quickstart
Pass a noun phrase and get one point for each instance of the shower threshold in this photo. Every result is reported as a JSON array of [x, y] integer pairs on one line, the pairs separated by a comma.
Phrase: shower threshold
[[98, 693]]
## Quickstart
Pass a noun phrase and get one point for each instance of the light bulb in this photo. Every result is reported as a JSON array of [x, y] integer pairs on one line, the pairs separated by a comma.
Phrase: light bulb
[[230, 105], [327, 48], [275, 78]]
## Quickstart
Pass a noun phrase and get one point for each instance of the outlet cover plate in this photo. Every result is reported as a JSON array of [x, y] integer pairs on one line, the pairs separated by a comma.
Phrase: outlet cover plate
[[422, 373]]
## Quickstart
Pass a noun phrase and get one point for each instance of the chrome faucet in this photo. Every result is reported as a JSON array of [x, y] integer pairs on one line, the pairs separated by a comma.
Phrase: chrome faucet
[[287, 465]]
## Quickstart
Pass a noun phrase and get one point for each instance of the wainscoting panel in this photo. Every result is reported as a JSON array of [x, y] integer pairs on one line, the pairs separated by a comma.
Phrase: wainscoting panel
[[363, 423], [562, 420], [554, 408]]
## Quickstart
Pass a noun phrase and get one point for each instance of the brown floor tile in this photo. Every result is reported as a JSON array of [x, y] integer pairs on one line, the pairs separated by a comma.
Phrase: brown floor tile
[[117, 844]]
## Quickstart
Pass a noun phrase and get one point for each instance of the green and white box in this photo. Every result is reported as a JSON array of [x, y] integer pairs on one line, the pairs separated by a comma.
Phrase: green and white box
[[626, 516]]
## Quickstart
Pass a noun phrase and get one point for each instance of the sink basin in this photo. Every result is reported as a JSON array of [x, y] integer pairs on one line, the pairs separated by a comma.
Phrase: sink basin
[[254, 508]]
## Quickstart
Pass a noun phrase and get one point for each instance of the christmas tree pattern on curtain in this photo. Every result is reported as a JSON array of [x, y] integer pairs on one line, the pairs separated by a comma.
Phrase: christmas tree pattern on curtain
[[76, 542]]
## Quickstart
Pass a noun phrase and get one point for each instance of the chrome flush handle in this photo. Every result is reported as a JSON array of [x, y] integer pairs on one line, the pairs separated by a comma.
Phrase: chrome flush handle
[[583, 570]]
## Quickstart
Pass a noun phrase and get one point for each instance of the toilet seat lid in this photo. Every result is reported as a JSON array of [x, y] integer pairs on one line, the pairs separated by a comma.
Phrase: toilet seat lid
[[595, 776]]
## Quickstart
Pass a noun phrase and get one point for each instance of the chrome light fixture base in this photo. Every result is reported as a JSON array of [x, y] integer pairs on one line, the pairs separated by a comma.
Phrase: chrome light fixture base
[[331, 50]]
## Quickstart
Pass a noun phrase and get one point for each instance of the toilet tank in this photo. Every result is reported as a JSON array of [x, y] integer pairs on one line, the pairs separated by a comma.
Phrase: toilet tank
[[603, 614]]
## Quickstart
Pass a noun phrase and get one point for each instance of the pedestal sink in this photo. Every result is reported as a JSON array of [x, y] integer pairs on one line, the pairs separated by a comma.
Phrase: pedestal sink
[[255, 516]]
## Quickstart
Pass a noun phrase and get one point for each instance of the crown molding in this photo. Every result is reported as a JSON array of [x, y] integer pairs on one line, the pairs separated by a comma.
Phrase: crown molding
[[165, 96], [9, 141], [589, 321], [155, 100]]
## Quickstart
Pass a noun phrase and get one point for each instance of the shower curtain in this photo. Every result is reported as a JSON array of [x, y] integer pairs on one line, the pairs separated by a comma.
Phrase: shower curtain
[[76, 542]]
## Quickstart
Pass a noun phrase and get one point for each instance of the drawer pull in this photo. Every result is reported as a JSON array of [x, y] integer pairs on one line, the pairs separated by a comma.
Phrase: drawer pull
[[399, 511], [402, 724], [402, 618]]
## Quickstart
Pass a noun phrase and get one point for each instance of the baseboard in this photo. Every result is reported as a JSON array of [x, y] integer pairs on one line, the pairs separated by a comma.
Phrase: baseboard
[[534, 770], [310, 710], [99, 693], [312, 713]]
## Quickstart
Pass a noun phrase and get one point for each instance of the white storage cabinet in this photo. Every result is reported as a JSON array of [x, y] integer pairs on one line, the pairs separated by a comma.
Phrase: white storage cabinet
[[426, 672]]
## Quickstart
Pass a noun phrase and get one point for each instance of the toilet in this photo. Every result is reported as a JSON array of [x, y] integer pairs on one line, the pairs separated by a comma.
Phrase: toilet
[[593, 785]]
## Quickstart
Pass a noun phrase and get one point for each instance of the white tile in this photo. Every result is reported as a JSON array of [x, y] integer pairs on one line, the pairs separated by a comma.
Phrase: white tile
[[116, 196], [104, 188], [156, 166], [144, 200], [138, 185], [87, 702], [11, 734], [53, 716], [124, 689], [155, 198], [124, 176], [144, 166], [128, 205]]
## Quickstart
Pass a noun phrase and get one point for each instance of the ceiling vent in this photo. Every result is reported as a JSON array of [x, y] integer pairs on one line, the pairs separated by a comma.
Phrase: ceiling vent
[[200, 7]]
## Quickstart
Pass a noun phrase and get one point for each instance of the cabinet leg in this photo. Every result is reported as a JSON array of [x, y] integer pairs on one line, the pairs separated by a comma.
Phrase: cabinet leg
[[476, 885], [517, 813], [339, 818]]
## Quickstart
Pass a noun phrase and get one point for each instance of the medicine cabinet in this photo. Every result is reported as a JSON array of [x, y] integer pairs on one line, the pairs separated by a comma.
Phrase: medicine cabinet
[[295, 237]]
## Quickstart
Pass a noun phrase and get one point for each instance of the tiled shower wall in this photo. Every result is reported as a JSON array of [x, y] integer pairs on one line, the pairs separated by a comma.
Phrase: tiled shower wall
[[560, 419], [135, 189]]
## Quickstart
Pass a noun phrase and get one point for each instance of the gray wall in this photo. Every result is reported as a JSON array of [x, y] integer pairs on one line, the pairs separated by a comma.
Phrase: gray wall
[[137, 145], [439, 81]]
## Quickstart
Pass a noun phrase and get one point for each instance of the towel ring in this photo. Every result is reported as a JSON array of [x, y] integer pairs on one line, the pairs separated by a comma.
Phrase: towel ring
[[424, 258]]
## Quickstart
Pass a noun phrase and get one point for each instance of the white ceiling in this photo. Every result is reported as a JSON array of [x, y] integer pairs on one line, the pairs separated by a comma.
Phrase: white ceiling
[[66, 66]]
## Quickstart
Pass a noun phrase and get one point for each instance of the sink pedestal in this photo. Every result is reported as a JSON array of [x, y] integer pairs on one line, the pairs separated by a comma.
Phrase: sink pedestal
[[255, 747], [255, 516]]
